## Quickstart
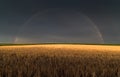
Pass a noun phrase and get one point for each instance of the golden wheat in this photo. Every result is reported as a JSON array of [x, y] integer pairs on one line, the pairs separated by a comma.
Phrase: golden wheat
[[60, 61]]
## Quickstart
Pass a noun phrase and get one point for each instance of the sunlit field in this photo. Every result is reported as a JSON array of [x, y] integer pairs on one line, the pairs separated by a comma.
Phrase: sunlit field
[[60, 60]]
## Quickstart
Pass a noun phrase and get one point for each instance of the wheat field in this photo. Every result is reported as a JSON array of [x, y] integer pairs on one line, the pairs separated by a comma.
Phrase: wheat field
[[60, 61]]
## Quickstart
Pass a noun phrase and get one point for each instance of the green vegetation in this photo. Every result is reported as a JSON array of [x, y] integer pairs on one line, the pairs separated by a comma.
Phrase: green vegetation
[[10, 44]]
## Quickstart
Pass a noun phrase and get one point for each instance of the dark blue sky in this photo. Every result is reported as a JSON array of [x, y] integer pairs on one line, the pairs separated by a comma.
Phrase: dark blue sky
[[105, 14]]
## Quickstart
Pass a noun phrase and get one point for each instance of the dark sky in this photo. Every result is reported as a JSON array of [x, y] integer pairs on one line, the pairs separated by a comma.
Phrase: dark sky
[[81, 21]]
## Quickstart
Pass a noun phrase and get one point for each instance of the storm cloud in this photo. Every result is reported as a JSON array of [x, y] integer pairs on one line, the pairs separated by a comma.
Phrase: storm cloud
[[104, 14]]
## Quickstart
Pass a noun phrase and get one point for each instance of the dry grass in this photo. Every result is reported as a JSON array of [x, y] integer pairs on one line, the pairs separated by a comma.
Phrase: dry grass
[[60, 61]]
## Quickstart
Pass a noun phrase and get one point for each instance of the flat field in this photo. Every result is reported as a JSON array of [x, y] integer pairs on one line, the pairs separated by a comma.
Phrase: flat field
[[60, 60]]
